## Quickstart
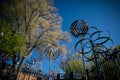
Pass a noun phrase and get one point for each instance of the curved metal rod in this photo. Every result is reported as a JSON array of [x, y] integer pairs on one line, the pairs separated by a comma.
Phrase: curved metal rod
[[94, 28], [75, 47], [77, 43], [83, 52], [88, 59], [107, 38], [96, 32], [101, 38], [80, 41], [87, 52], [87, 43]]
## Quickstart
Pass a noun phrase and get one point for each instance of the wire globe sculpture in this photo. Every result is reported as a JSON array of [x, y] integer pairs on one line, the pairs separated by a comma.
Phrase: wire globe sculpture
[[52, 53], [79, 28]]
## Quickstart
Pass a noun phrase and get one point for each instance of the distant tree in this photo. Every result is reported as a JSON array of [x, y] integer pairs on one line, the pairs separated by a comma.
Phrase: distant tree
[[37, 21], [73, 64]]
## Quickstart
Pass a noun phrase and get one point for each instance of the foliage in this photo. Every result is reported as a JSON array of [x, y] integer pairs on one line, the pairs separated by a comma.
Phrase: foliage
[[110, 66], [73, 64], [10, 43], [38, 20]]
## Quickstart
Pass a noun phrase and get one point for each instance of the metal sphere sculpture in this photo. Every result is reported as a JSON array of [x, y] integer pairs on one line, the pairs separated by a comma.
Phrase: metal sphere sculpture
[[77, 29], [52, 53]]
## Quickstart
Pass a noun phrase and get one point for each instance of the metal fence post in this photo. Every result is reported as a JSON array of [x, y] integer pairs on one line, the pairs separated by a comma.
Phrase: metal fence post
[[71, 75], [58, 76], [87, 74]]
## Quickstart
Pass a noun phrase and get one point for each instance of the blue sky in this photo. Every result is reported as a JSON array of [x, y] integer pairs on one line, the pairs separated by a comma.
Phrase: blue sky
[[104, 14]]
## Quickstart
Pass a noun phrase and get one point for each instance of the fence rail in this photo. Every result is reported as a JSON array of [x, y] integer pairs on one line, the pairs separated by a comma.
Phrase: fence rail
[[109, 69]]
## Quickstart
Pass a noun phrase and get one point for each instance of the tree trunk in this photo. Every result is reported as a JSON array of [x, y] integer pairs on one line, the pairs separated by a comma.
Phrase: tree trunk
[[20, 65]]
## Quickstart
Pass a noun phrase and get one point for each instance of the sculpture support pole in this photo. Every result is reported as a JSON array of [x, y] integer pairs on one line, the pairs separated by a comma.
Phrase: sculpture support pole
[[84, 72], [96, 61], [97, 66], [50, 65]]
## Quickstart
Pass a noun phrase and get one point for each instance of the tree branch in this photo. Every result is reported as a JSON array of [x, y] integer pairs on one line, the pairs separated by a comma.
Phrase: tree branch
[[36, 42]]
